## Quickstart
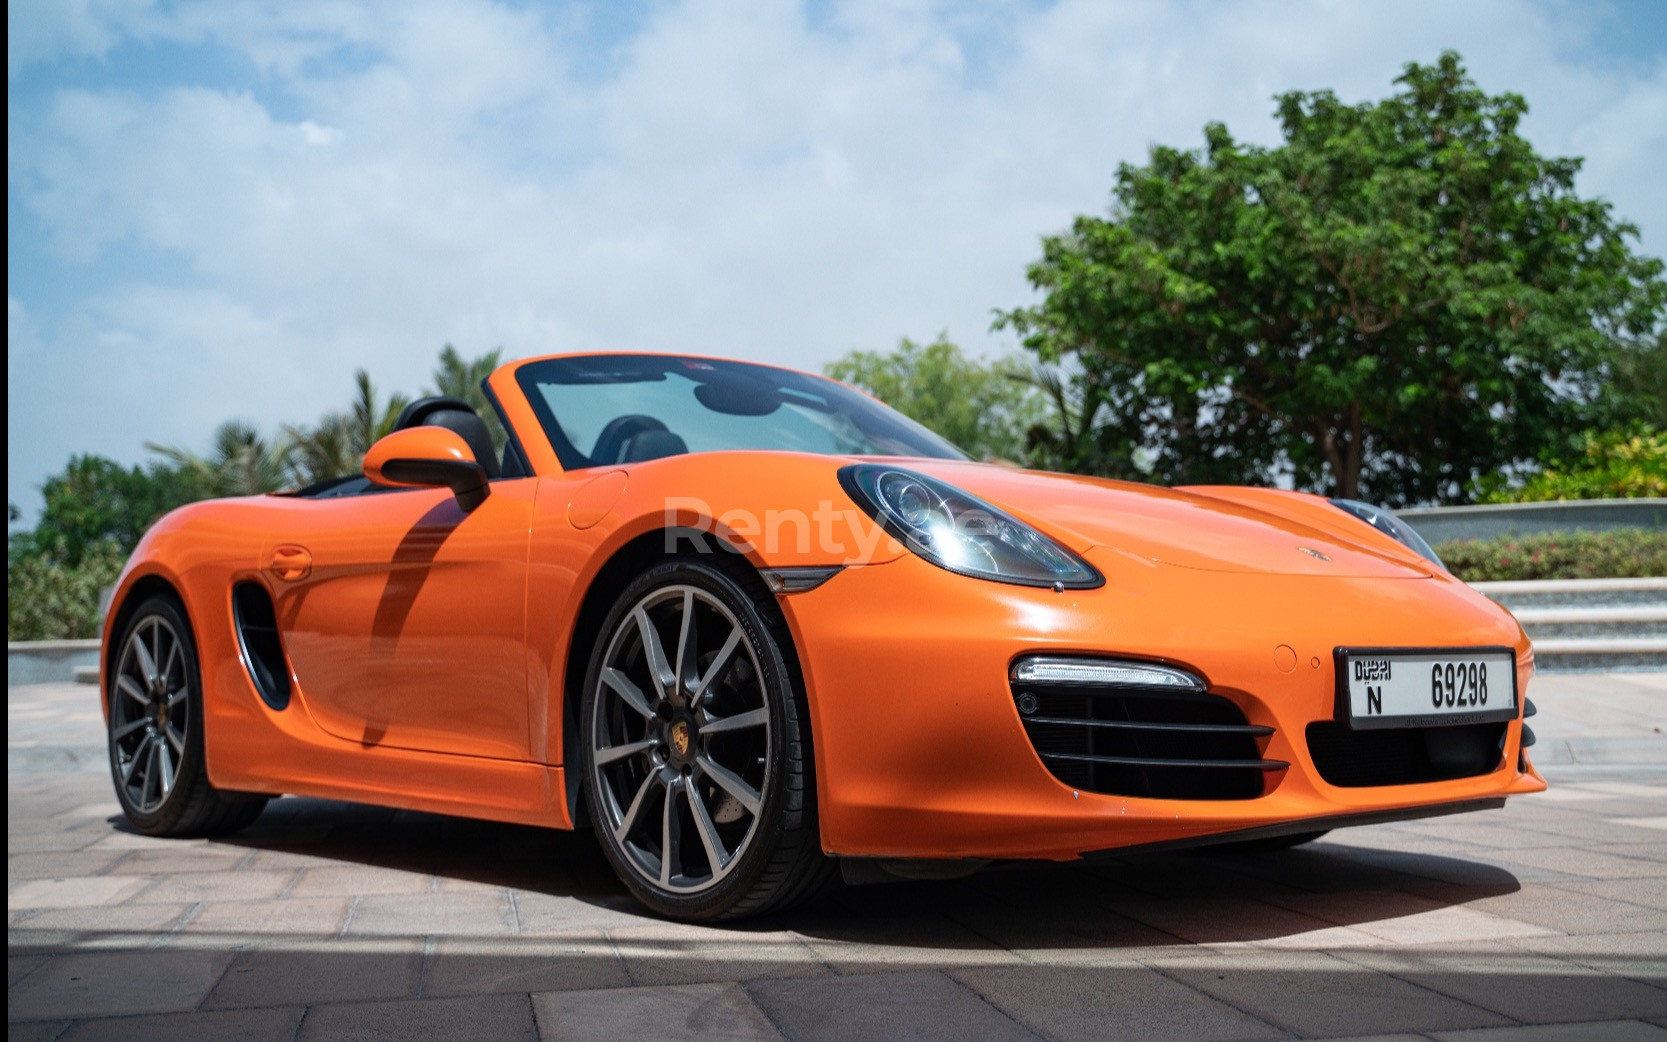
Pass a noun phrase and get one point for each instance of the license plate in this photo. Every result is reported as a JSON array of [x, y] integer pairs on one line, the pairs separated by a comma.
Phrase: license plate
[[1425, 687]]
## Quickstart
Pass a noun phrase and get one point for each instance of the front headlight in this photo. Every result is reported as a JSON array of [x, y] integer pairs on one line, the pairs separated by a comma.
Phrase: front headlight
[[958, 531], [1390, 525]]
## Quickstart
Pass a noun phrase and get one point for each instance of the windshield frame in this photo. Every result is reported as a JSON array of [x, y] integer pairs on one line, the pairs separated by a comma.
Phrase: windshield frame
[[530, 376]]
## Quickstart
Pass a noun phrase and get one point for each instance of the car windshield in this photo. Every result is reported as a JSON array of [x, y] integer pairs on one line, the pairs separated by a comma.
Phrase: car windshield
[[599, 410]]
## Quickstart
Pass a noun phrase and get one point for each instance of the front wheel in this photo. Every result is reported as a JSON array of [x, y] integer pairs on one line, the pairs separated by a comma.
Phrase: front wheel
[[157, 756], [696, 747]]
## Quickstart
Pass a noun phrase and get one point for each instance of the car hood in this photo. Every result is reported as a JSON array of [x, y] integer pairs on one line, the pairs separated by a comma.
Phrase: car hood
[[1153, 524]]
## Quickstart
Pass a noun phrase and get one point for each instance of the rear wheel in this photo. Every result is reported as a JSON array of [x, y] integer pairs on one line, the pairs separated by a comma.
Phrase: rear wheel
[[696, 747], [157, 759]]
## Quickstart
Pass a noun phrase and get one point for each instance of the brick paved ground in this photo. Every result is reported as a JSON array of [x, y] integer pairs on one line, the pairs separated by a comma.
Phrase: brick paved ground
[[1547, 920]]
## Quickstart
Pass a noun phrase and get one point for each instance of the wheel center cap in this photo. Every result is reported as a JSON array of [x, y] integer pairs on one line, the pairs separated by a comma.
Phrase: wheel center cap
[[680, 738]]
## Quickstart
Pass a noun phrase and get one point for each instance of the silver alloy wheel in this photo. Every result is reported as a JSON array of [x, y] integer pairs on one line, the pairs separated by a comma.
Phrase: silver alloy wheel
[[680, 743], [148, 707]]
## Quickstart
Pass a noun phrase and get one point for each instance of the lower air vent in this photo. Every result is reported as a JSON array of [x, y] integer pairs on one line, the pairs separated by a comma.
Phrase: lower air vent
[[257, 639], [1150, 742], [1403, 756]]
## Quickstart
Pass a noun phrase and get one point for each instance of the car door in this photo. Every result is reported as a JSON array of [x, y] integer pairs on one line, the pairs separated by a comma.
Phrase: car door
[[405, 618]]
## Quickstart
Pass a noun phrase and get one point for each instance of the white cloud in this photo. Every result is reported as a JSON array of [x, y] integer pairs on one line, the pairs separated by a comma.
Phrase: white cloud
[[736, 181]]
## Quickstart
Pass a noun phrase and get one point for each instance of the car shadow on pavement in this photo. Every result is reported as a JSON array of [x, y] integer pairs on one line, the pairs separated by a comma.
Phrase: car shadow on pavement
[[1209, 896]]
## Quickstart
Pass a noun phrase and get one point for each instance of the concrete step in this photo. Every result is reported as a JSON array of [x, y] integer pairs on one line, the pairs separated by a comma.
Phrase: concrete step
[[1577, 593], [1630, 620], [1600, 655], [1582, 625]]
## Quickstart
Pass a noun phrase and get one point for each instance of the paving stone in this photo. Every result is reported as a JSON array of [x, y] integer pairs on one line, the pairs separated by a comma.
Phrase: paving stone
[[537, 913], [188, 859], [1109, 1003], [116, 983], [686, 1013], [1563, 910], [277, 920], [20, 966], [59, 864], [886, 1005], [417, 915], [1531, 988], [263, 1025], [489, 1018], [122, 926], [35, 1031], [1317, 995], [671, 953], [1602, 1031], [1651, 893], [216, 886], [353, 880], [308, 976], [75, 891], [1640, 956], [1585, 862], [458, 966]]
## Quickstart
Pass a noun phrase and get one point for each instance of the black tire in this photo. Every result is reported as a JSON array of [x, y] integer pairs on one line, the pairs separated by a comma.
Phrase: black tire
[[736, 800], [158, 767], [1268, 843]]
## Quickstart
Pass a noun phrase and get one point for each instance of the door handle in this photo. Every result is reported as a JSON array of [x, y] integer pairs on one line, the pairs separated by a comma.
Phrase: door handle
[[290, 562]]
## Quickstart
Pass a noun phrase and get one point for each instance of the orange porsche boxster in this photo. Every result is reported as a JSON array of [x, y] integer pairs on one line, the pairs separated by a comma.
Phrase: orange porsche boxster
[[752, 627]]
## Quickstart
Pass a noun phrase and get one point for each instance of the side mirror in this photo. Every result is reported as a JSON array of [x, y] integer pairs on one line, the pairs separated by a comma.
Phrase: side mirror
[[428, 457]]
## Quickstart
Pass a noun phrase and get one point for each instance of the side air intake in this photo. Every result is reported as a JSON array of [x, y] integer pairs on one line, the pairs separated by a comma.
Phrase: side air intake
[[257, 639]]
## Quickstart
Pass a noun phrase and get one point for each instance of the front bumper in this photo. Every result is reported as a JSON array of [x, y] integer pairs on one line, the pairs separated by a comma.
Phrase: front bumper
[[920, 752]]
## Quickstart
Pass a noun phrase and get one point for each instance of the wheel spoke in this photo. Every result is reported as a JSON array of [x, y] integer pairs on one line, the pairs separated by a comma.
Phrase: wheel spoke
[[615, 753], [150, 772], [168, 670], [147, 662], [716, 855], [127, 686], [128, 728], [139, 752], [175, 739], [175, 698], [155, 648], [629, 821], [738, 722], [165, 760], [715, 671], [731, 783], [658, 667], [688, 640], [671, 834], [627, 691]]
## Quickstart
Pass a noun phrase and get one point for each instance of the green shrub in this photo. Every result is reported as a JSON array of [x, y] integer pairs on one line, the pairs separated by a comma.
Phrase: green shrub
[[1623, 464], [49, 598], [1621, 554]]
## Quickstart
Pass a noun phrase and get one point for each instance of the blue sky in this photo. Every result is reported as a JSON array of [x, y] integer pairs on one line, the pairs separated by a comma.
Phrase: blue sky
[[221, 209]]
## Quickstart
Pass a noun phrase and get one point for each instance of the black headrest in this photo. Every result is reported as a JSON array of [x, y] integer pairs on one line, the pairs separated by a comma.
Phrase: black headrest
[[649, 445], [457, 417]]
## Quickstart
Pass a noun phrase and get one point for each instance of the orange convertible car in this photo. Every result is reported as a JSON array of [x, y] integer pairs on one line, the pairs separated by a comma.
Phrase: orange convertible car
[[751, 626]]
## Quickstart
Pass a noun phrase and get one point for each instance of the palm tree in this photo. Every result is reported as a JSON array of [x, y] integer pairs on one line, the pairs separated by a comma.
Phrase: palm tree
[[461, 378], [242, 463], [336, 446], [373, 422]]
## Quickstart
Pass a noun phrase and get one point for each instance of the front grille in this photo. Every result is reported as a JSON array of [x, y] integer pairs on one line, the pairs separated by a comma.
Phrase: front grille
[[1403, 756], [1151, 743]]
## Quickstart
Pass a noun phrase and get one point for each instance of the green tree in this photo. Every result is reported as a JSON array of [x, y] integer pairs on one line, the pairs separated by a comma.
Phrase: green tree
[[1400, 297], [94, 514], [95, 500], [461, 378], [982, 408]]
